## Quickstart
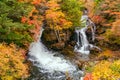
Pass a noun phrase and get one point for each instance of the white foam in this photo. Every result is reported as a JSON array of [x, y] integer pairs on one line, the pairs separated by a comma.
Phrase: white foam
[[47, 60], [83, 46]]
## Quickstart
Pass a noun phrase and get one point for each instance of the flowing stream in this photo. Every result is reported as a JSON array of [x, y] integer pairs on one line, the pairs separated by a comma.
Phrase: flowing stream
[[50, 66], [82, 45]]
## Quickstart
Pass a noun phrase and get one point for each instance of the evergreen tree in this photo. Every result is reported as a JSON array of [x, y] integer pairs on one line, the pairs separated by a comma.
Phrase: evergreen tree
[[11, 28], [72, 9]]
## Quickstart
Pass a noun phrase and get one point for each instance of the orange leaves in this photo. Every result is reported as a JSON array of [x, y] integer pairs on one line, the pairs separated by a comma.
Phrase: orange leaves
[[26, 20], [53, 10], [36, 30], [50, 14], [97, 19], [36, 2], [11, 63], [52, 4], [55, 17], [34, 10], [106, 54], [34, 19], [65, 24], [115, 13], [23, 19], [88, 76]]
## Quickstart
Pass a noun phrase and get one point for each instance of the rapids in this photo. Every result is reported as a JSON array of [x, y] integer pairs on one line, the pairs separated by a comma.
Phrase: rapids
[[50, 66]]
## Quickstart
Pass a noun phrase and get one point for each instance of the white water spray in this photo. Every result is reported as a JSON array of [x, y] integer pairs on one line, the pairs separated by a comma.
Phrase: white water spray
[[82, 44], [50, 64]]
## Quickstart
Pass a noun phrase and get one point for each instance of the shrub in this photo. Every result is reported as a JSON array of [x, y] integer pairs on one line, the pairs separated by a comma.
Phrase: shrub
[[11, 28], [12, 63], [106, 70]]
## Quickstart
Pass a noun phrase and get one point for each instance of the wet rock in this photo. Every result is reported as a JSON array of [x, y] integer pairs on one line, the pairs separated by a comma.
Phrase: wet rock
[[49, 36], [50, 40], [58, 46]]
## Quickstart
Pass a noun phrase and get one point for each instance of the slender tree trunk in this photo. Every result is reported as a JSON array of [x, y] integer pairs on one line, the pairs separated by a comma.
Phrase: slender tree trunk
[[57, 33]]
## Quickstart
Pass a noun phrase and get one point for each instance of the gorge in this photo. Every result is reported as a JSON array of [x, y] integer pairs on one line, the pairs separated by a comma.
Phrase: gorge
[[52, 65], [59, 39]]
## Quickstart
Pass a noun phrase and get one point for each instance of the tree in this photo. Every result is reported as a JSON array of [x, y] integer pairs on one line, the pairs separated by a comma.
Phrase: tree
[[56, 19], [11, 28], [12, 63], [110, 12], [72, 10]]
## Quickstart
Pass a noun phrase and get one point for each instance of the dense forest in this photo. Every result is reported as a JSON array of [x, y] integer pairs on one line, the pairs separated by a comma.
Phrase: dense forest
[[22, 20]]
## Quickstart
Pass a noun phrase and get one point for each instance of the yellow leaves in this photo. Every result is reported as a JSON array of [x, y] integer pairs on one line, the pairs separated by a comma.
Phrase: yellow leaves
[[58, 28], [56, 20], [103, 70], [54, 15], [100, 71], [116, 67], [7, 78], [52, 4], [11, 63], [67, 24]]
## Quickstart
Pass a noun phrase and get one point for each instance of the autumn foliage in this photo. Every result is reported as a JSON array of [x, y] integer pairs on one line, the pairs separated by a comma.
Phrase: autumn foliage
[[55, 17], [34, 18], [88, 76], [21, 22], [106, 70], [12, 63]]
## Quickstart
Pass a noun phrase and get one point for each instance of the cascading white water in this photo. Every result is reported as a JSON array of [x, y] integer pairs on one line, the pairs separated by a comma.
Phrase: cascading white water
[[54, 67], [83, 46]]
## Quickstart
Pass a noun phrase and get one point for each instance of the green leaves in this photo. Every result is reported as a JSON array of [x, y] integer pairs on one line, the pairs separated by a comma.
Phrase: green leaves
[[72, 10], [11, 28]]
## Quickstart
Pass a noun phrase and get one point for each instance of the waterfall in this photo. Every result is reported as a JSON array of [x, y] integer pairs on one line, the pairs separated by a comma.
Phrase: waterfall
[[52, 67], [82, 45]]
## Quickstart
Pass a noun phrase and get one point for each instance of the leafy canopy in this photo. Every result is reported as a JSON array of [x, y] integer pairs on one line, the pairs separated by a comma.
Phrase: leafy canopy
[[11, 28], [72, 10], [12, 63]]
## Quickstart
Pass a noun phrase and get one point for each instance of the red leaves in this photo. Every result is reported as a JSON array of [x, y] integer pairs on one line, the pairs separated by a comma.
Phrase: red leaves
[[23, 19], [36, 30], [30, 22], [26, 20], [88, 76], [97, 19]]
